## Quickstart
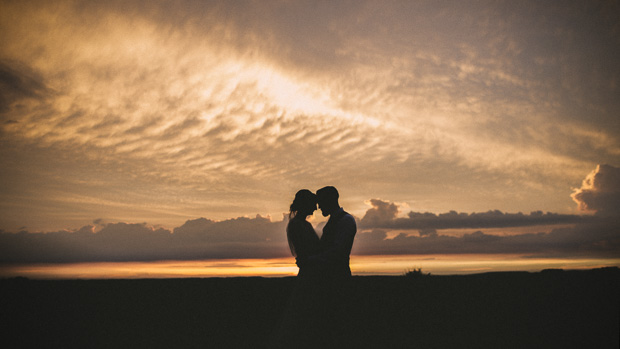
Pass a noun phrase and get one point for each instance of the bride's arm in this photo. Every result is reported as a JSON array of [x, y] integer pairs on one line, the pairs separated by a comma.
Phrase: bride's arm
[[306, 238]]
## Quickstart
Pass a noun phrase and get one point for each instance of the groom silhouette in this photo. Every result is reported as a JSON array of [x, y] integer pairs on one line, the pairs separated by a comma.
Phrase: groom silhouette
[[337, 238]]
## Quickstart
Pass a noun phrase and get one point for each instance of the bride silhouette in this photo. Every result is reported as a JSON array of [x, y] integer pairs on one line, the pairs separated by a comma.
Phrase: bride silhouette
[[302, 239], [298, 324]]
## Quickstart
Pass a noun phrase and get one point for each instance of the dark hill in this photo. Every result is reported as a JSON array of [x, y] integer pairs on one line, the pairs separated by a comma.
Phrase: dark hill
[[551, 309]]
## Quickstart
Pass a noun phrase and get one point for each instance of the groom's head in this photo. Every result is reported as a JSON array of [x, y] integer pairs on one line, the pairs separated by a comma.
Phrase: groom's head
[[327, 199]]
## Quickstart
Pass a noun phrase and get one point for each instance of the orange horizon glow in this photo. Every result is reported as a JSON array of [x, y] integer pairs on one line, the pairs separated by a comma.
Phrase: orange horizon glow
[[283, 267]]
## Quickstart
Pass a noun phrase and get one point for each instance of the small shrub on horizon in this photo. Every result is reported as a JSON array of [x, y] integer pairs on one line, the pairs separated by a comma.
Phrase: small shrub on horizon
[[416, 273]]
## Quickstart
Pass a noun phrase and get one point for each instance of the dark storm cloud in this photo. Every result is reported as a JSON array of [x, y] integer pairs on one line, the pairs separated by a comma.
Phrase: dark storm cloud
[[383, 215]]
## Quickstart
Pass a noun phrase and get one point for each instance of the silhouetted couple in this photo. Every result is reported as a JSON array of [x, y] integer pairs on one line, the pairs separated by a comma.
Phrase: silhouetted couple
[[326, 258], [317, 313]]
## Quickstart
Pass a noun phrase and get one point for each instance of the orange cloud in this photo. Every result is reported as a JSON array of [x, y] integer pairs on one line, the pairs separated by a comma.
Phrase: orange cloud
[[600, 191]]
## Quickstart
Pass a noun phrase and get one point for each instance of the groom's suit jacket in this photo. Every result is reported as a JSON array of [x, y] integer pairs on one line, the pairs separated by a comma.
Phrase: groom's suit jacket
[[336, 243]]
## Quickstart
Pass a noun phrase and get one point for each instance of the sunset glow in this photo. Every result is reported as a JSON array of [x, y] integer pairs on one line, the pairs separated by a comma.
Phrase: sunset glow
[[472, 133], [281, 267]]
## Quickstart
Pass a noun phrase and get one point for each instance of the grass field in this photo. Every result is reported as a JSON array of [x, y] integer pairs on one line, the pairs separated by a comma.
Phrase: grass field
[[550, 309]]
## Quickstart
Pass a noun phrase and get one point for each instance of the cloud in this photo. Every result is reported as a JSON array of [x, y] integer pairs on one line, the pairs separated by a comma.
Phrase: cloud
[[367, 95], [578, 236], [600, 191], [597, 239], [383, 214], [201, 238], [17, 83], [260, 237]]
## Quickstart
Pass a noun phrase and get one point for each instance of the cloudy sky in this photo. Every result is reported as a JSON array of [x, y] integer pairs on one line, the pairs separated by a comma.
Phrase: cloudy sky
[[178, 122]]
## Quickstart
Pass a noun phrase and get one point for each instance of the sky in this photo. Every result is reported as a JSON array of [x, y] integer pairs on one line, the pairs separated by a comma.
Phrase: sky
[[149, 130]]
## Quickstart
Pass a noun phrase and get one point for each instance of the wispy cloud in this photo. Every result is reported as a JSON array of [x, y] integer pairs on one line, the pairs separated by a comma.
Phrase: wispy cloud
[[226, 99]]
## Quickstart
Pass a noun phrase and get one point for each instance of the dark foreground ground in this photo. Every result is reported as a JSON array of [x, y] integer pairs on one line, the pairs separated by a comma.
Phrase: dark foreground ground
[[551, 309]]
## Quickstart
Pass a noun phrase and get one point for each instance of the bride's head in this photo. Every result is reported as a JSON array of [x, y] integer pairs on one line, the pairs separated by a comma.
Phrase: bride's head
[[304, 204]]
